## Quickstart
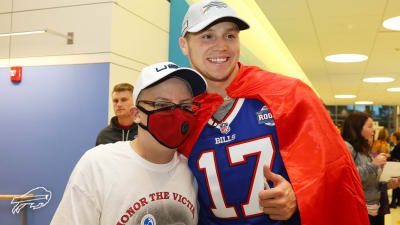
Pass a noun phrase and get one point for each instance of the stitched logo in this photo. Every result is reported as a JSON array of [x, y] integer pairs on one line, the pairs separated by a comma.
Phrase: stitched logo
[[213, 4]]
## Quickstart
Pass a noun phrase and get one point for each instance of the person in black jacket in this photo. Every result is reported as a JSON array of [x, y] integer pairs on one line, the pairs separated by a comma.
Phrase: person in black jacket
[[122, 127], [395, 156]]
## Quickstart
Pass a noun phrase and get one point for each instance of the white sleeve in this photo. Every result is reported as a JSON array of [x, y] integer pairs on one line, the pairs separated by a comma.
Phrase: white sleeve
[[79, 205]]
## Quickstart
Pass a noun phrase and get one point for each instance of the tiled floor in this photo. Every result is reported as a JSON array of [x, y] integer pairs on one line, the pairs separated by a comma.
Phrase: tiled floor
[[394, 217]]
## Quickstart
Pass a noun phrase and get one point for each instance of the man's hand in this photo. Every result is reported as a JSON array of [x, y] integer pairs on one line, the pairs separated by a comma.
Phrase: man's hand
[[280, 201]]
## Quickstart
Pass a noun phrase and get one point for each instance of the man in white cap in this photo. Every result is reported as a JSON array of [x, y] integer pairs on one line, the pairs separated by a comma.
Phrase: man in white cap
[[255, 126], [144, 181]]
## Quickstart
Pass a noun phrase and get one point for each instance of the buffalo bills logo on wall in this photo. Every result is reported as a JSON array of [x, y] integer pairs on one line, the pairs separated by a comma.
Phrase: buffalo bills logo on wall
[[224, 128], [264, 116], [35, 199], [148, 220]]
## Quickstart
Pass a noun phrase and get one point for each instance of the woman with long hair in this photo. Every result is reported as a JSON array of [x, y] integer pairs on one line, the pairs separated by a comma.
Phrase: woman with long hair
[[358, 132]]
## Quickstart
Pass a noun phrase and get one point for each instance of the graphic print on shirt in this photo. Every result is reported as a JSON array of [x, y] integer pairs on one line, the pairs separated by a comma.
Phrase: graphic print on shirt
[[148, 219], [159, 208], [229, 172]]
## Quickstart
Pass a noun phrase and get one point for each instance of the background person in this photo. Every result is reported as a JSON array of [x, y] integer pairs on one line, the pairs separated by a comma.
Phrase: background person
[[252, 120], [144, 181], [121, 127], [358, 133], [395, 156], [381, 145]]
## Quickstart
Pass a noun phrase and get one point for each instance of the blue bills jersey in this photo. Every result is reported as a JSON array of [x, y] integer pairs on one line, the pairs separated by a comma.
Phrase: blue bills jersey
[[227, 161]]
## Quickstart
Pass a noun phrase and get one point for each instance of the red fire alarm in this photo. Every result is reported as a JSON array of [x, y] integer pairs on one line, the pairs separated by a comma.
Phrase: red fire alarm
[[16, 74]]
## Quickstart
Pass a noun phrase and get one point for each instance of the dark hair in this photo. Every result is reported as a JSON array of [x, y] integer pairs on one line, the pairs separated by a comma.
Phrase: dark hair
[[123, 87], [396, 135], [351, 131]]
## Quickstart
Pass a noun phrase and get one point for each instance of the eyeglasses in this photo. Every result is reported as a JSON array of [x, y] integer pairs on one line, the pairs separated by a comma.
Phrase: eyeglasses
[[189, 106]]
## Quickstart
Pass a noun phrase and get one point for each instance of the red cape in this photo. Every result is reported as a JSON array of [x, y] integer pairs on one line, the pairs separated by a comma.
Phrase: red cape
[[323, 175]]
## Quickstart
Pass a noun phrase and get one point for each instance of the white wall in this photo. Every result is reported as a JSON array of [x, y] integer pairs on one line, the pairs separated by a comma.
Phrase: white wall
[[129, 34], [140, 33], [90, 20]]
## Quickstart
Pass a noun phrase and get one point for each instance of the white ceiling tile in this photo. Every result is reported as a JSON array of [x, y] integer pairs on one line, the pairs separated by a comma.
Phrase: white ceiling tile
[[385, 57], [340, 8], [392, 9], [283, 10], [341, 26], [345, 68]]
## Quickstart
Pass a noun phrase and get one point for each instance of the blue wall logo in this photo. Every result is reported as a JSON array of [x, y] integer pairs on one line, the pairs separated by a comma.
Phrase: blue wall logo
[[148, 220], [35, 199], [264, 116]]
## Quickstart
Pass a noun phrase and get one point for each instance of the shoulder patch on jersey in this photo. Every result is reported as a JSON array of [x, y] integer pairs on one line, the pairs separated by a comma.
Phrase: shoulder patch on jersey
[[264, 116]]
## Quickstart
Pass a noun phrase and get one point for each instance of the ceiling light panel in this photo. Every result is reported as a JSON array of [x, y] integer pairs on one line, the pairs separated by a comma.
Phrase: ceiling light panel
[[394, 89], [346, 58], [364, 103], [378, 79], [392, 23]]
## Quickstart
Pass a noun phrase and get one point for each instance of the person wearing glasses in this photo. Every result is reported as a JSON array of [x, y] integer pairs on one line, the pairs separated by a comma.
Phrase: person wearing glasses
[[143, 181]]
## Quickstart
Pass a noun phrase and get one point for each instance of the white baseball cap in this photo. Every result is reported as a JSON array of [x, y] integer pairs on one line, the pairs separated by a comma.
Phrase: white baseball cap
[[161, 71], [202, 14]]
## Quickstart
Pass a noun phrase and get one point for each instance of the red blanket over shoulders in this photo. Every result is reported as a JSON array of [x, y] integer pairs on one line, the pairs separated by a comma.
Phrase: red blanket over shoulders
[[323, 175]]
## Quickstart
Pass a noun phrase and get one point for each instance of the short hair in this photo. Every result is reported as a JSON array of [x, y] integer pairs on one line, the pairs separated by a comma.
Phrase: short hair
[[123, 87], [383, 134]]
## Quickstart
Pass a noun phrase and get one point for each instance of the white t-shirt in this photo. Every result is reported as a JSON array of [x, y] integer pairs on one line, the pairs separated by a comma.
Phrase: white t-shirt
[[112, 185]]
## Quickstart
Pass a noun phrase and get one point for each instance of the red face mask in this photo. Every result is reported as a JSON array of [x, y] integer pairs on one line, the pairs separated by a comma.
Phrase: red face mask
[[170, 126]]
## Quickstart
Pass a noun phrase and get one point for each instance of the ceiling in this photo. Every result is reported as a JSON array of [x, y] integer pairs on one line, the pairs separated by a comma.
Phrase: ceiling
[[313, 29]]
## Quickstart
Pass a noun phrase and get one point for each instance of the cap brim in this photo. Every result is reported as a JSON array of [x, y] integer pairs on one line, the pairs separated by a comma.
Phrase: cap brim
[[197, 83], [242, 25]]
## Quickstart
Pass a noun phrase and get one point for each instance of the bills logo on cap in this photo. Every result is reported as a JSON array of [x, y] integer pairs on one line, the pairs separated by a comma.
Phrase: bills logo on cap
[[213, 4], [264, 116], [171, 66], [224, 128]]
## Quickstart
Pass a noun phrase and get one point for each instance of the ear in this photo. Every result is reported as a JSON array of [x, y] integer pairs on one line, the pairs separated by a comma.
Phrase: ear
[[184, 45], [135, 114]]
